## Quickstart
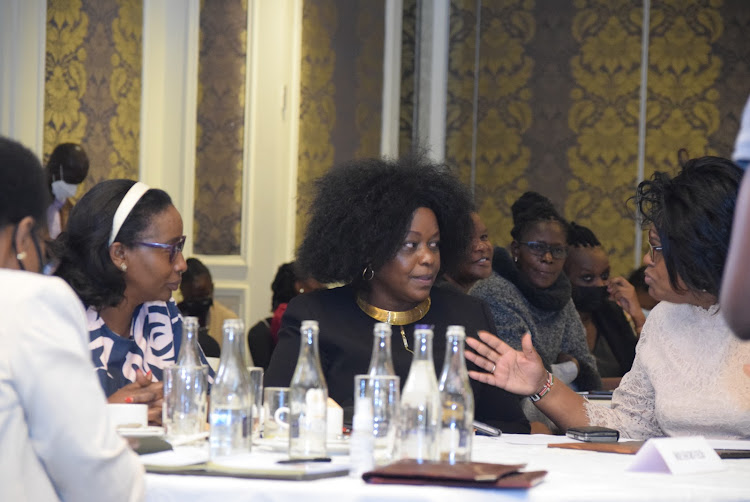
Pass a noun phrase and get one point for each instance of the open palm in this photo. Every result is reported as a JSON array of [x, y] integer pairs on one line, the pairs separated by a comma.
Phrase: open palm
[[520, 372]]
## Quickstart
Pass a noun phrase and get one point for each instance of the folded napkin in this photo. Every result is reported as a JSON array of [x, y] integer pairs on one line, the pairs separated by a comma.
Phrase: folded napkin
[[468, 474]]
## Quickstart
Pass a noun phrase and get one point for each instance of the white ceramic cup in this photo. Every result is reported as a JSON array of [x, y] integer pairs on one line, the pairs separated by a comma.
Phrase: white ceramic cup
[[128, 415]]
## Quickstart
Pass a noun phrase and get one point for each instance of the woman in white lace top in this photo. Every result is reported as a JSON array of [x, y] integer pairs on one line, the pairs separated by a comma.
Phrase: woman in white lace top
[[687, 377]]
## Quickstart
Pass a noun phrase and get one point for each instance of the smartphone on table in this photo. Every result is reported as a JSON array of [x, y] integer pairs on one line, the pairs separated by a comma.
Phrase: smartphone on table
[[593, 434]]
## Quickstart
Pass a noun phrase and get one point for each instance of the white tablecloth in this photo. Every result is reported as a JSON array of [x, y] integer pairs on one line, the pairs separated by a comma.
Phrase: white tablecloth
[[572, 475]]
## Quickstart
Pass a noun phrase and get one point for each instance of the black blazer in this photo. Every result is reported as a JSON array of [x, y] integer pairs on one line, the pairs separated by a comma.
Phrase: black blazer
[[345, 344]]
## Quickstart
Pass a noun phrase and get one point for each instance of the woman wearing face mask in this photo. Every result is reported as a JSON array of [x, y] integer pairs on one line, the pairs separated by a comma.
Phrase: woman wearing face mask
[[57, 442], [122, 254], [687, 378], [68, 166], [385, 229], [528, 293], [609, 335], [197, 288]]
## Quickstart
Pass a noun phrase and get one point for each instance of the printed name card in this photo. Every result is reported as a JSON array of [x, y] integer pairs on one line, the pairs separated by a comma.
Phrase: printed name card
[[684, 455]]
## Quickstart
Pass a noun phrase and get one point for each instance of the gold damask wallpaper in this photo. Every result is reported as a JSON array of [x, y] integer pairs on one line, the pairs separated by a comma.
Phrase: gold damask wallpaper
[[93, 83], [559, 97], [340, 89], [504, 111], [220, 127]]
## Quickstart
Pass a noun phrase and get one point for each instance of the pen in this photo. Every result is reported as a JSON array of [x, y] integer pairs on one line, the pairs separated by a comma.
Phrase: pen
[[303, 460]]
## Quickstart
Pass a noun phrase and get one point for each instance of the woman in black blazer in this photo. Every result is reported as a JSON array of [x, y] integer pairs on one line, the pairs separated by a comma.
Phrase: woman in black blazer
[[386, 229]]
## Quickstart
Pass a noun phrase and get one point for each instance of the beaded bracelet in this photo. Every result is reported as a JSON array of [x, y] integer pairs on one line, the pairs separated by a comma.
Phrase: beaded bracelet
[[547, 387]]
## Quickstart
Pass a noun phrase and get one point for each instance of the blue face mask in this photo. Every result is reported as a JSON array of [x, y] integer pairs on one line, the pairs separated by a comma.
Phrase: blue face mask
[[63, 191]]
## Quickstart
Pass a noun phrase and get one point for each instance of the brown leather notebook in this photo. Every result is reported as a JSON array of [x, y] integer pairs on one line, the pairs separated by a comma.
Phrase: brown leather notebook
[[467, 475], [632, 447]]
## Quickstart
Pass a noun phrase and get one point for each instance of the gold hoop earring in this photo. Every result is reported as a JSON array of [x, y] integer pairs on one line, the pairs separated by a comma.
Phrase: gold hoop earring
[[368, 273]]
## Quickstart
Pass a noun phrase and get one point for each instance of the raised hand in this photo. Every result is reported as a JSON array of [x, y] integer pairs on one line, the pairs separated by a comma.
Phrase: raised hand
[[622, 292], [520, 372]]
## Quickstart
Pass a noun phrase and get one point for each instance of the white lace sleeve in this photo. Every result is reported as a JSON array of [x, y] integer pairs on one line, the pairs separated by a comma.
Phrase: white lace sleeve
[[633, 409]]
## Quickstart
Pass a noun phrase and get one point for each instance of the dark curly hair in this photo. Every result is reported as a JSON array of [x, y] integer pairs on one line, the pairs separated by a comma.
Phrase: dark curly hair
[[22, 189], [83, 250], [363, 209], [283, 284], [530, 209], [692, 213], [581, 237]]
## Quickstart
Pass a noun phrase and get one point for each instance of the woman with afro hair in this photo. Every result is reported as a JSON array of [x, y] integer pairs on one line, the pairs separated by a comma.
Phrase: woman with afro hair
[[386, 229]]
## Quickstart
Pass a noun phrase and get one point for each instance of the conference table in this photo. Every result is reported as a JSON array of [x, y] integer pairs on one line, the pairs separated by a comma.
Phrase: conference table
[[571, 476]]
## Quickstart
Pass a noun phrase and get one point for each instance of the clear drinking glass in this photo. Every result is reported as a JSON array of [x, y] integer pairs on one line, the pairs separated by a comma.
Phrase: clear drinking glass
[[185, 403], [276, 413], [256, 387], [377, 398]]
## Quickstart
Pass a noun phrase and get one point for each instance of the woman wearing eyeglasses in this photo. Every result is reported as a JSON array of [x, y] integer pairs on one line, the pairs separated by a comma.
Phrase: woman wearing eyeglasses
[[122, 254], [687, 377], [528, 293]]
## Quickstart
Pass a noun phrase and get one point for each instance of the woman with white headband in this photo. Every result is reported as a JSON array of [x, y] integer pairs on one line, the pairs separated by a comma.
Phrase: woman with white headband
[[122, 254]]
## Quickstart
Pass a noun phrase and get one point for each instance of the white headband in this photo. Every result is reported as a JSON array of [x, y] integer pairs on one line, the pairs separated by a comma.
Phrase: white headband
[[126, 205]]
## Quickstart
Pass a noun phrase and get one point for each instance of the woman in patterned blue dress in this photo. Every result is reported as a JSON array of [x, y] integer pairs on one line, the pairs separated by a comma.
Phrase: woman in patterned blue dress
[[122, 254]]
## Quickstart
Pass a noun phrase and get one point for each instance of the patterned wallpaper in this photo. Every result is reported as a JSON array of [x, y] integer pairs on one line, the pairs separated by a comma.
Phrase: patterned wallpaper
[[559, 84], [220, 127], [406, 109], [93, 83], [340, 89]]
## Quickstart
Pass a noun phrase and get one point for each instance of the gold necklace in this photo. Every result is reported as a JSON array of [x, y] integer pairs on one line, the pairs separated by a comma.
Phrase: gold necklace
[[396, 318]]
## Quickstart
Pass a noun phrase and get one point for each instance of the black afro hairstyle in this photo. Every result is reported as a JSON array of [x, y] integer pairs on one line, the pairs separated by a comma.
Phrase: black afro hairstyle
[[692, 214], [83, 248], [22, 188], [581, 237], [362, 211], [530, 209]]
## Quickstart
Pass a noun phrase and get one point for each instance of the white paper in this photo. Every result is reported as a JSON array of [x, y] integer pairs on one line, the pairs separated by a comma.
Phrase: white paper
[[684, 455]]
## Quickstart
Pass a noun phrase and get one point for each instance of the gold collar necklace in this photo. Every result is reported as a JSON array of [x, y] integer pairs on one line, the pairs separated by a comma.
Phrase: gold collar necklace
[[395, 318]]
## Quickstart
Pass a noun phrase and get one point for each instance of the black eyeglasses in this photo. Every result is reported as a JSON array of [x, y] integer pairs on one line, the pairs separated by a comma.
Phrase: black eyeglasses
[[173, 248], [542, 248], [652, 250]]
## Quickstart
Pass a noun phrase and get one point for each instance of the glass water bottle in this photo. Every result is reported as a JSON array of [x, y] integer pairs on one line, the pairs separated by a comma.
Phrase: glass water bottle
[[381, 362], [308, 399], [456, 400], [231, 397], [420, 402], [188, 355]]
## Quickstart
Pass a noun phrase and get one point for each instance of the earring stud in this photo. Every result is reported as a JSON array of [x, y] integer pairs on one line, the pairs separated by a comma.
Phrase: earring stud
[[21, 256], [123, 267]]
